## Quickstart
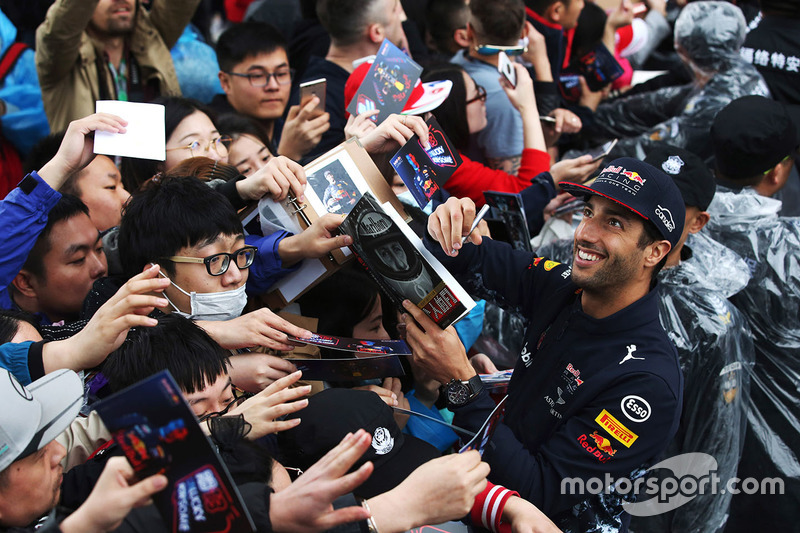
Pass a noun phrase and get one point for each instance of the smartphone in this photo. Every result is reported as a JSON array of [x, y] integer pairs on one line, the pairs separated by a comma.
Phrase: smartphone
[[601, 151], [506, 68], [547, 118], [314, 88]]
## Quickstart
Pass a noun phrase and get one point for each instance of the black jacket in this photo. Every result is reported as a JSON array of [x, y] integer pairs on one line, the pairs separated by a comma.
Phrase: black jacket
[[578, 406]]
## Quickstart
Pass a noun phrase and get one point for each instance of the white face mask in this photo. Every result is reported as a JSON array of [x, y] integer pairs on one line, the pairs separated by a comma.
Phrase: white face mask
[[225, 305]]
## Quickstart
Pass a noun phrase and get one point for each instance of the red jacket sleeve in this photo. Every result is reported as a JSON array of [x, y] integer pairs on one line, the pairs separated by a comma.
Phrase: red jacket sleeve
[[472, 178]]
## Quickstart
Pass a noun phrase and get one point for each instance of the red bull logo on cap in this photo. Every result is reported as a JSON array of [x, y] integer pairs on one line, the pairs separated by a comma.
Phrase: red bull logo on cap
[[630, 174]]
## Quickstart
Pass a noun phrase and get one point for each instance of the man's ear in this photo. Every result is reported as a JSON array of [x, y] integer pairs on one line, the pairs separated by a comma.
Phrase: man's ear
[[376, 33], [25, 283], [555, 12], [225, 81], [699, 222], [658, 251], [461, 37]]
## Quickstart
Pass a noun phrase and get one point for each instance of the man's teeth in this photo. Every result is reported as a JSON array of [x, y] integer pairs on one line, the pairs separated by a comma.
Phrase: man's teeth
[[586, 256]]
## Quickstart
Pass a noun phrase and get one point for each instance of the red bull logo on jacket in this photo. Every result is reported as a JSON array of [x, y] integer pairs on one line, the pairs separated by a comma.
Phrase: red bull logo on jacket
[[601, 450]]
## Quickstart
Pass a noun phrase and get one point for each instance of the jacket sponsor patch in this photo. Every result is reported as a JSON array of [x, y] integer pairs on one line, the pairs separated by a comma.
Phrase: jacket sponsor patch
[[616, 428]]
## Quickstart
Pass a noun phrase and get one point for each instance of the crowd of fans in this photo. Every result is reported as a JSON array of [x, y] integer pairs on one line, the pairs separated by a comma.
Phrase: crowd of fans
[[654, 319]]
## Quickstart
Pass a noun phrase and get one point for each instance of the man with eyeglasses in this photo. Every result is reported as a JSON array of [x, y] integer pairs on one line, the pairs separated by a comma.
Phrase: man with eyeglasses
[[256, 78], [107, 50], [196, 236]]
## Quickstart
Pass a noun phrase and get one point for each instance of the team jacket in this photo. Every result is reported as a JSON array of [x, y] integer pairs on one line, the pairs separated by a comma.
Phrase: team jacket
[[588, 396]]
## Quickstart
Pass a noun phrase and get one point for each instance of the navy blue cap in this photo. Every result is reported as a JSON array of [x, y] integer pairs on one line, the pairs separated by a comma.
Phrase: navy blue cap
[[643, 189]]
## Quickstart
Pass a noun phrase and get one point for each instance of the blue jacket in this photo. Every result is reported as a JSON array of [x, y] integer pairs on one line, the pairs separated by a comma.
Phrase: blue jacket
[[569, 412], [22, 218], [24, 122]]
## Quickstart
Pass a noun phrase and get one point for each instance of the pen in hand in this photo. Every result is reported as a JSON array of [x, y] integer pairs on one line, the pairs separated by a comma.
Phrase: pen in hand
[[481, 214]]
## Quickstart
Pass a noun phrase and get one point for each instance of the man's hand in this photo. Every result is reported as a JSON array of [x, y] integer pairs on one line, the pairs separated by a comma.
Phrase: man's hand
[[254, 372], [77, 148], [261, 327], [360, 125], [303, 129], [482, 364], [306, 505], [451, 221], [440, 490], [393, 133], [576, 170], [262, 410], [437, 351], [109, 326], [522, 96], [392, 394], [566, 121], [537, 53], [315, 241], [590, 98], [525, 517], [114, 495], [387, 395], [276, 179]]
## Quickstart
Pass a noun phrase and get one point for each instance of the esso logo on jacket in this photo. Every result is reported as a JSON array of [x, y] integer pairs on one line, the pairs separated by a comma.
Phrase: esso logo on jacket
[[635, 408]]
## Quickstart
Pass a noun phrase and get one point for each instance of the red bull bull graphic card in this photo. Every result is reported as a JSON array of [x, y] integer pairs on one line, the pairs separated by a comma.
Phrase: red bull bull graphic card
[[388, 83], [158, 432]]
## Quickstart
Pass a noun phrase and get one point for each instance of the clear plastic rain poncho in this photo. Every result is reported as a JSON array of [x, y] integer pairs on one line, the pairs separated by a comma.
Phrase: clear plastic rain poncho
[[769, 244], [715, 350], [708, 35]]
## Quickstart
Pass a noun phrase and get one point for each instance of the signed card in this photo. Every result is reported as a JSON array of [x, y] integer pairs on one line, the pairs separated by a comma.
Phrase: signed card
[[359, 346], [388, 83], [425, 171], [484, 435], [350, 369]]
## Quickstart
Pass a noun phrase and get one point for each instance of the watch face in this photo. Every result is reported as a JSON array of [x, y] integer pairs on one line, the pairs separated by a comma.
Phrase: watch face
[[457, 393]]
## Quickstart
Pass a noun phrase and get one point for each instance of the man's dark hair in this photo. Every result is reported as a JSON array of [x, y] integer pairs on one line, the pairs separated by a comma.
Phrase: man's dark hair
[[498, 21], [650, 234], [176, 108], [42, 152], [449, 16], [451, 114], [10, 319], [346, 20], [172, 213], [247, 39], [176, 344], [540, 6], [68, 206]]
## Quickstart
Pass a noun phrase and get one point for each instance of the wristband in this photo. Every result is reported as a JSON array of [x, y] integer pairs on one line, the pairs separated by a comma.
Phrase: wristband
[[487, 510]]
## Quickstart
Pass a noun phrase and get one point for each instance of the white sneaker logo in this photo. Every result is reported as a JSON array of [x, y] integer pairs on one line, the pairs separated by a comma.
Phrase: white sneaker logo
[[631, 349]]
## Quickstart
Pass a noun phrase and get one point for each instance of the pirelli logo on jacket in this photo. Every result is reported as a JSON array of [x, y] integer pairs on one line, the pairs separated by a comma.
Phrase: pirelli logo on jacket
[[616, 428]]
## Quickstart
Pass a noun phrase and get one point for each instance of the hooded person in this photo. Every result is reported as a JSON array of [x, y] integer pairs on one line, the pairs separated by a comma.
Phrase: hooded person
[[708, 36], [748, 222]]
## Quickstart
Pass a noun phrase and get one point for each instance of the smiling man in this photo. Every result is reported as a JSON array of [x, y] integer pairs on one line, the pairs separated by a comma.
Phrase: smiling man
[[597, 389], [107, 50]]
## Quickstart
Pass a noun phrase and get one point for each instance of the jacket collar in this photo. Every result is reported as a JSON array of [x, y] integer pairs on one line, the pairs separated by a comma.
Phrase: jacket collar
[[541, 20], [639, 314]]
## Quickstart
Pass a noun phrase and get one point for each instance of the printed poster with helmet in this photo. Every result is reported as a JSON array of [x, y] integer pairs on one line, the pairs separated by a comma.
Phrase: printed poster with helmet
[[388, 83], [158, 433], [395, 257]]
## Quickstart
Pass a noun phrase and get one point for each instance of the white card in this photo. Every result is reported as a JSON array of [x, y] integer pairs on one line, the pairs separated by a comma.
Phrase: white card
[[144, 135]]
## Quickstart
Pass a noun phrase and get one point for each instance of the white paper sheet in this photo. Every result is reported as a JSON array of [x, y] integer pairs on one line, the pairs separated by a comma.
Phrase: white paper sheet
[[144, 135]]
